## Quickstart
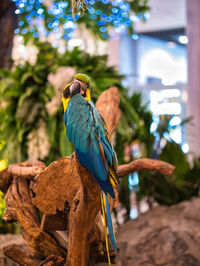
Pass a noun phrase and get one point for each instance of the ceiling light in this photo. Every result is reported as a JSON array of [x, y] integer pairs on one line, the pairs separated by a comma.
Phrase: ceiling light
[[183, 39]]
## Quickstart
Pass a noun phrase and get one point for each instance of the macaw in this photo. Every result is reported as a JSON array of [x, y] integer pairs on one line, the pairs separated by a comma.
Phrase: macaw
[[87, 130]]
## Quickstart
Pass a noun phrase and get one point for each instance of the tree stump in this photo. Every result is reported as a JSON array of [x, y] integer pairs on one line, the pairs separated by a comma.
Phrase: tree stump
[[69, 199]]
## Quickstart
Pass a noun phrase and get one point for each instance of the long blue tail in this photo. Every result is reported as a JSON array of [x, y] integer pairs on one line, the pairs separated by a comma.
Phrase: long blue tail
[[107, 222]]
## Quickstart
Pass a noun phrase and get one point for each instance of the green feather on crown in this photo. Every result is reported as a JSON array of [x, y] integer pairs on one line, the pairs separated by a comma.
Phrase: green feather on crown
[[83, 78]]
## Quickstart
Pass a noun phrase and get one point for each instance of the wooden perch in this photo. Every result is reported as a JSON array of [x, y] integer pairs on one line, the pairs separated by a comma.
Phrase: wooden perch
[[19, 208], [5, 180], [19, 256], [26, 169], [145, 164], [108, 107], [69, 198]]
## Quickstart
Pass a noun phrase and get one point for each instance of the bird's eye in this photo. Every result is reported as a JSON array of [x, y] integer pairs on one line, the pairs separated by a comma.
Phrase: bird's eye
[[66, 92]]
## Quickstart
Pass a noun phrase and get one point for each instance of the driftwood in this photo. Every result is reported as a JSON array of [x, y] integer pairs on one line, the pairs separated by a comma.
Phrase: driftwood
[[69, 199]]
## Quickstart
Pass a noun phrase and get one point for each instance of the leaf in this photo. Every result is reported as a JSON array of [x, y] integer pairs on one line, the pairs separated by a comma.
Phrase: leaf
[[37, 79], [25, 77], [27, 93], [173, 154]]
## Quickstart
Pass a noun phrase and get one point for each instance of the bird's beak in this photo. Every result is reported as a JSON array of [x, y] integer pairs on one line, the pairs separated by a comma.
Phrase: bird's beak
[[74, 88], [71, 89]]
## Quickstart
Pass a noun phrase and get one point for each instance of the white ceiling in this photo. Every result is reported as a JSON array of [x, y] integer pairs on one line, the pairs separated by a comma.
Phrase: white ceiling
[[165, 14]]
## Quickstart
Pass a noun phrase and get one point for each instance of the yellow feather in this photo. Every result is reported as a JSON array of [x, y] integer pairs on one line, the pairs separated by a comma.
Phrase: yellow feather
[[104, 218], [88, 97], [64, 100], [113, 175]]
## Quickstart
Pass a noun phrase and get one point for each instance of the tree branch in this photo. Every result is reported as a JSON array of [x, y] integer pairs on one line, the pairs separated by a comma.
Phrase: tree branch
[[145, 164]]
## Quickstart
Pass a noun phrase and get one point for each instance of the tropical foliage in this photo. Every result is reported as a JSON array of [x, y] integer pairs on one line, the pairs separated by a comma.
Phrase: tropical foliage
[[30, 126], [183, 184]]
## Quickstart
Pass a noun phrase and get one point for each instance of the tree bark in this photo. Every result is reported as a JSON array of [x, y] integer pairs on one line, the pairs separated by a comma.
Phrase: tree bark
[[8, 23]]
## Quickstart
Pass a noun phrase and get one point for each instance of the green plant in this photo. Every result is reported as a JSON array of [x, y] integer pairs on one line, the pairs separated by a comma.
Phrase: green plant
[[181, 185], [27, 125]]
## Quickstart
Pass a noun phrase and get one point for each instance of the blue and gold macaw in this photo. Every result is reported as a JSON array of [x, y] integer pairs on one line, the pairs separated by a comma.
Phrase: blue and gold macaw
[[87, 130]]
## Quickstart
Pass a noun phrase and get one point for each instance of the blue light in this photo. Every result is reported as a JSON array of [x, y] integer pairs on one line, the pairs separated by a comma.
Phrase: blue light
[[119, 17], [128, 23], [92, 2], [17, 11], [21, 23], [29, 8], [139, 15], [124, 14], [116, 23], [31, 2], [63, 5], [133, 179], [103, 16], [133, 213], [114, 3], [91, 10], [76, 17], [35, 35], [33, 13], [16, 31], [108, 19], [112, 17], [101, 23], [103, 29], [55, 24], [98, 12], [27, 17], [69, 17], [105, 1], [147, 15], [114, 10], [104, 35], [68, 25], [135, 36], [40, 11], [24, 31]]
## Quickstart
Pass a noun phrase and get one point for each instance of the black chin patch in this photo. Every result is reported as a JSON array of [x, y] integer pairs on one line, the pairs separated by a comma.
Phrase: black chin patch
[[84, 95], [66, 92]]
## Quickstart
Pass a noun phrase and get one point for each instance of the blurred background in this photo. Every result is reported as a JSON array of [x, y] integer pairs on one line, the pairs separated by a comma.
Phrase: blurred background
[[149, 50]]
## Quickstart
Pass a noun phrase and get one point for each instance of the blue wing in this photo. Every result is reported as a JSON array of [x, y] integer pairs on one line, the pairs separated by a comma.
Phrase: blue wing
[[87, 130]]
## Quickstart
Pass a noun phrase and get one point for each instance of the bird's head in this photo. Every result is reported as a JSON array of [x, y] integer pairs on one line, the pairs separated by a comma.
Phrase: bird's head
[[81, 85]]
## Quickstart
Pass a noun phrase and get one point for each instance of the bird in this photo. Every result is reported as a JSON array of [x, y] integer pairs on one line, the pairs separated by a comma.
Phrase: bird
[[87, 130]]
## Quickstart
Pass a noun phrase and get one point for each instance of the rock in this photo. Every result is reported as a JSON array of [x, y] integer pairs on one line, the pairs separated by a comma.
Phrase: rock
[[164, 236]]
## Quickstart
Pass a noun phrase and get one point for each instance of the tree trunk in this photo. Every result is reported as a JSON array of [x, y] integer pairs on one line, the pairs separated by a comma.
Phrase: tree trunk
[[8, 22]]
